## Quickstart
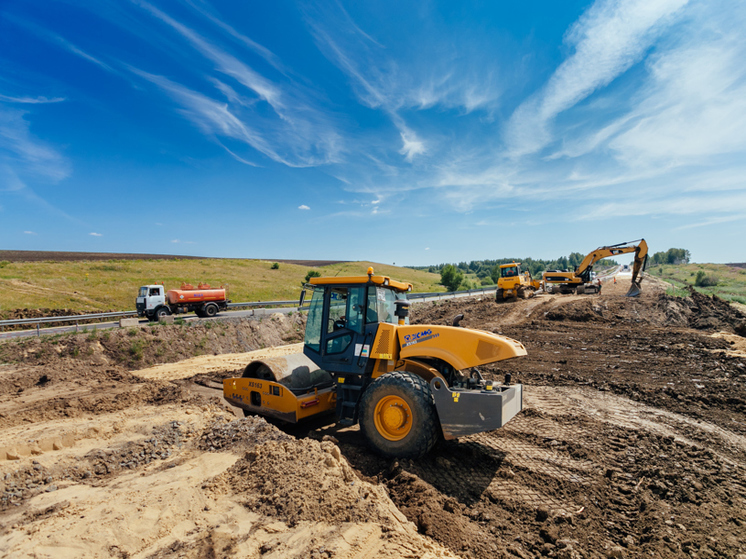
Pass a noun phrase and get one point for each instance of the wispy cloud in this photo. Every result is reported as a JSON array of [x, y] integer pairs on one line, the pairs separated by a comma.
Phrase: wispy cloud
[[211, 116], [95, 234], [29, 233], [262, 51], [607, 41], [60, 40], [31, 100], [416, 79], [293, 132], [22, 151]]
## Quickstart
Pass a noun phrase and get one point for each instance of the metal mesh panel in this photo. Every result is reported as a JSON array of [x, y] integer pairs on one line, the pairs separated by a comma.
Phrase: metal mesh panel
[[384, 342]]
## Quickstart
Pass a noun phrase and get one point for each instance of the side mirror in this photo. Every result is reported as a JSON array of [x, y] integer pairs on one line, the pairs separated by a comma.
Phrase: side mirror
[[302, 298]]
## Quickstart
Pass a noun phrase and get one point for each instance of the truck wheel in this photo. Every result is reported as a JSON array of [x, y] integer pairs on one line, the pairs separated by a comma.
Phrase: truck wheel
[[210, 310], [398, 417], [163, 312]]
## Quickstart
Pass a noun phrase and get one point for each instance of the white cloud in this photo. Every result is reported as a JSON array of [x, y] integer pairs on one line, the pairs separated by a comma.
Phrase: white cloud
[[20, 150], [293, 132], [695, 107], [608, 39], [31, 100], [95, 234], [303, 207], [411, 145], [29, 233]]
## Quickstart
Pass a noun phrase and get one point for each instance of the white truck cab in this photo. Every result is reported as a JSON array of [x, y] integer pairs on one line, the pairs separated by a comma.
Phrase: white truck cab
[[149, 298]]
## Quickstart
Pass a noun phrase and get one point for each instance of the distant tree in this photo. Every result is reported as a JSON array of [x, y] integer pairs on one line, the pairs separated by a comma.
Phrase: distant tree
[[575, 259], [276, 266], [672, 256], [311, 274], [495, 273], [487, 281], [451, 277]]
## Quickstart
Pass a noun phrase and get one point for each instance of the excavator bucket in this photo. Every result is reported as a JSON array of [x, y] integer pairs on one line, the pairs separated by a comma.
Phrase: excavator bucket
[[634, 291]]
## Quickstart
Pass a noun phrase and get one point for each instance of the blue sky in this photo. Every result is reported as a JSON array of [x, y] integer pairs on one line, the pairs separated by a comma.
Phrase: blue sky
[[407, 133]]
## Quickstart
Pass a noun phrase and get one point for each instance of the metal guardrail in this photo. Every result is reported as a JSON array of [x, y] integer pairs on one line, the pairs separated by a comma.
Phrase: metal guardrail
[[263, 304], [97, 316], [450, 294], [69, 318]]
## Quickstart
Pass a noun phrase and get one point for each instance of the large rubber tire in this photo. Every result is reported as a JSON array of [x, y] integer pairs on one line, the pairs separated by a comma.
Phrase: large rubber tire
[[163, 312], [398, 417], [210, 310]]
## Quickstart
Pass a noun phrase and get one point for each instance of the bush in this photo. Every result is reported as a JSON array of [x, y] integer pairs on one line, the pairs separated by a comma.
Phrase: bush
[[704, 279], [451, 277], [276, 266], [487, 281], [311, 274]]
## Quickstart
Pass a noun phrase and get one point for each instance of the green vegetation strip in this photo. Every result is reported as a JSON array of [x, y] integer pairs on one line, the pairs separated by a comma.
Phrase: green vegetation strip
[[727, 282], [100, 286]]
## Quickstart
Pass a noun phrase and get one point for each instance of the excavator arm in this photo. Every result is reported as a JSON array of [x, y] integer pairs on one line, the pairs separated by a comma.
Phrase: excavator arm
[[639, 247]]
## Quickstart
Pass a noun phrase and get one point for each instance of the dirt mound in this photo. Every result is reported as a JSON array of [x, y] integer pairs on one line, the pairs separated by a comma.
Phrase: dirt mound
[[136, 348], [578, 311], [304, 480]]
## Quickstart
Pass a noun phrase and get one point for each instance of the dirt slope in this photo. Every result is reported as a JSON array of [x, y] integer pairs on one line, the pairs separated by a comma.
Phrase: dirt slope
[[632, 443]]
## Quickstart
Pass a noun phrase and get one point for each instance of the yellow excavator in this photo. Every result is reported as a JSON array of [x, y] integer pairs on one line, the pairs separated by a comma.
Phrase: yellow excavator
[[406, 385], [580, 280], [513, 284]]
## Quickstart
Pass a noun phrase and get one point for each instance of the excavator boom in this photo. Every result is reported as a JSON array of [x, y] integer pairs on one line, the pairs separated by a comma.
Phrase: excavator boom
[[582, 273]]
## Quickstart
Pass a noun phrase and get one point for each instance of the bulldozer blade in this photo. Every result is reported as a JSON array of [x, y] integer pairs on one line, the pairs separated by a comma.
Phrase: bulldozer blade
[[466, 412], [634, 291]]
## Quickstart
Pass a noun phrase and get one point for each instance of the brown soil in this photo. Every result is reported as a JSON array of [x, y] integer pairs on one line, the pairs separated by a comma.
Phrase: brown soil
[[55, 256], [632, 443]]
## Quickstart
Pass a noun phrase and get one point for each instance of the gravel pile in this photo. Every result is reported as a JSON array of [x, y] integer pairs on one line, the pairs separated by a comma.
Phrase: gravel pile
[[241, 433]]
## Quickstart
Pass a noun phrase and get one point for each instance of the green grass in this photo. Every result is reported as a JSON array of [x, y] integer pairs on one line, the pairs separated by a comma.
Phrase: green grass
[[112, 285], [731, 281]]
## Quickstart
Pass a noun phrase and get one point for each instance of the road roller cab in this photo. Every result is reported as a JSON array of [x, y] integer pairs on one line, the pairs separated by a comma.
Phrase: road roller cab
[[406, 385]]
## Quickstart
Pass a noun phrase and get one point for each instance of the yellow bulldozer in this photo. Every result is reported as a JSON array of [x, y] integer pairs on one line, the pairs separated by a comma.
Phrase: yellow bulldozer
[[513, 284], [406, 385], [579, 281]]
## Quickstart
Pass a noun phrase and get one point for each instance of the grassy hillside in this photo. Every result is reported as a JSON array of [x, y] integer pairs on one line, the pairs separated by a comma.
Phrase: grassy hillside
[[731, 281], [112, 285]]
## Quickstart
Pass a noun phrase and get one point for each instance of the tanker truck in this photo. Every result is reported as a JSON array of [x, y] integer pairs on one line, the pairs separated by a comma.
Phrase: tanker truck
[[155, 303]]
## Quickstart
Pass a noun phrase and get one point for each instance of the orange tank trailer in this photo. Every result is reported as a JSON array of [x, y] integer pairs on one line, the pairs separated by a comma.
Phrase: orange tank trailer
[[181, 296]]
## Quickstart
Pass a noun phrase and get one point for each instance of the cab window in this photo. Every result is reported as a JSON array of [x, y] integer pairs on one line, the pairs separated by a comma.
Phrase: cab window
[[381, 306], [313, 322], [510, 272], [346, 309], [155, 291], [143, 292]]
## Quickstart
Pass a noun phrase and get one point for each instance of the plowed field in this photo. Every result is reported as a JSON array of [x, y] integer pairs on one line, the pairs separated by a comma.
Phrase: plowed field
[[632, 443]]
